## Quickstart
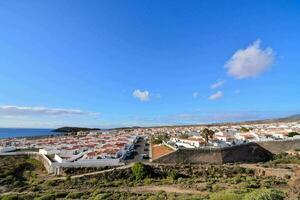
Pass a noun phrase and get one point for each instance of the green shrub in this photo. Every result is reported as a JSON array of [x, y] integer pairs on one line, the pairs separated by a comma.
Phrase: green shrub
[[68, 178], [249, 171], [47, 197], [139, 171], [74, 195], [148, 181], [11, 197], [216, 188], [50, 183], [174, 175], [265, 194], [225, 195]]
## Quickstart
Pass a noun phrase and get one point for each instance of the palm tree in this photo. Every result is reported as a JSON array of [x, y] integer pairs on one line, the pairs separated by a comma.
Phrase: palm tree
[[207, 133]]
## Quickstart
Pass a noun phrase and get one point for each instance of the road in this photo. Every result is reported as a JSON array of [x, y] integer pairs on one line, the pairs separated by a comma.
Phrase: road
[[140, 149]]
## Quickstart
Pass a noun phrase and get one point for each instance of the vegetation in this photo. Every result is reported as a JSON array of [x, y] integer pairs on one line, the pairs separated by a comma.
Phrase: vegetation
[[226, 195], [139, 171], [292, 134], [265, 194], [283, 158], [159, 138], [184, 135], [74, 129], [19, 171], [202, 182], [207, 134], [244, 129]]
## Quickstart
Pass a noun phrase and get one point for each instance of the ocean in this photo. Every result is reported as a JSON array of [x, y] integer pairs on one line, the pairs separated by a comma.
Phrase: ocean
[[24, 132]]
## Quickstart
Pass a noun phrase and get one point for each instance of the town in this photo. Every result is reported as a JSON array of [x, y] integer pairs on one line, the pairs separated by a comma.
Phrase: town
[[100, 148]]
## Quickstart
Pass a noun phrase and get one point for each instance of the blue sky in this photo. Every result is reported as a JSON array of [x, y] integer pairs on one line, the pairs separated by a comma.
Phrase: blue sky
[[123, 63]]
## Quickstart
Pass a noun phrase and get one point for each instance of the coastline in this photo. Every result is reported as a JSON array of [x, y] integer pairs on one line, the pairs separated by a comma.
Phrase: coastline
[[6, 133]]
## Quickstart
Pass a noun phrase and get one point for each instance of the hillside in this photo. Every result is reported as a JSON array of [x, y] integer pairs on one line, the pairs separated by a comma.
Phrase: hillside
[[290, 118], [73, 129]]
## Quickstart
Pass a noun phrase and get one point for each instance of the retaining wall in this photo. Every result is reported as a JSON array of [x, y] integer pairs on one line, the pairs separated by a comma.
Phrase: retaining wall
[[250, 152], [279, 146]]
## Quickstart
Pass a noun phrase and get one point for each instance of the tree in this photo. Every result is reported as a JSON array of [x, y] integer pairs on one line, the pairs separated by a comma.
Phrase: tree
[[244, 129], [159, 138], [207, 133], [292, 134]]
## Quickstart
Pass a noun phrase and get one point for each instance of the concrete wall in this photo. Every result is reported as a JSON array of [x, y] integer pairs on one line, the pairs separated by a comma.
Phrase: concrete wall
[[93, 163], [280, 146], [251, 152], [192, 156]]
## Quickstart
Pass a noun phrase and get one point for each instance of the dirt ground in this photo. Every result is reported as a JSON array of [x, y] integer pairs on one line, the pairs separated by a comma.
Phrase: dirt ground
[[160, 150]]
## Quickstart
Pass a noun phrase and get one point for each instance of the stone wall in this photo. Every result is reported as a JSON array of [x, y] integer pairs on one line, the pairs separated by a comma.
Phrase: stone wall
[[251, 152]]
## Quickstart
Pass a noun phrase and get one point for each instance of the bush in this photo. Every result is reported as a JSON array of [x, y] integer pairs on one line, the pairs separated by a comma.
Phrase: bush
[[74, 195], [216, 188], [139, 171], [148, 181], [47, 197], [50, 183], [265, 194], [249, 171], [225, 195], [174, 175], [68, 178], [11, 197]]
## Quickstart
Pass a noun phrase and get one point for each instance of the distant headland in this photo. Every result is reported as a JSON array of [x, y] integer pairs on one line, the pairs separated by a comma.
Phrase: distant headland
[[68, 129]]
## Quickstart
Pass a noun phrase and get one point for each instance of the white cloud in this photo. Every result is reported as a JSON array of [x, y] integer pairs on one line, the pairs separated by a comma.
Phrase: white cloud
[[195, 94], [10, 110], [141, 95], [218, 84], [216, 95], [250, 62]]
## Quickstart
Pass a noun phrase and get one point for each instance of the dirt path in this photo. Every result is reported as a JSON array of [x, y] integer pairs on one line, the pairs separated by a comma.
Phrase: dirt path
[[138, 189], [166, 188]]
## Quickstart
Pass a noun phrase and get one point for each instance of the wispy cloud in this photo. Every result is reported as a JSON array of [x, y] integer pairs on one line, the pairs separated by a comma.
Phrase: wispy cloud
[[214, 117], [195, 94], [218, 84], [141, 95], [12, 110], [204, 117], [250, 62], [216, 96]]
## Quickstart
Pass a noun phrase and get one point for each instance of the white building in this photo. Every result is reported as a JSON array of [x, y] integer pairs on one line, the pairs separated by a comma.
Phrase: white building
[[7, 149], [48, 151]]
